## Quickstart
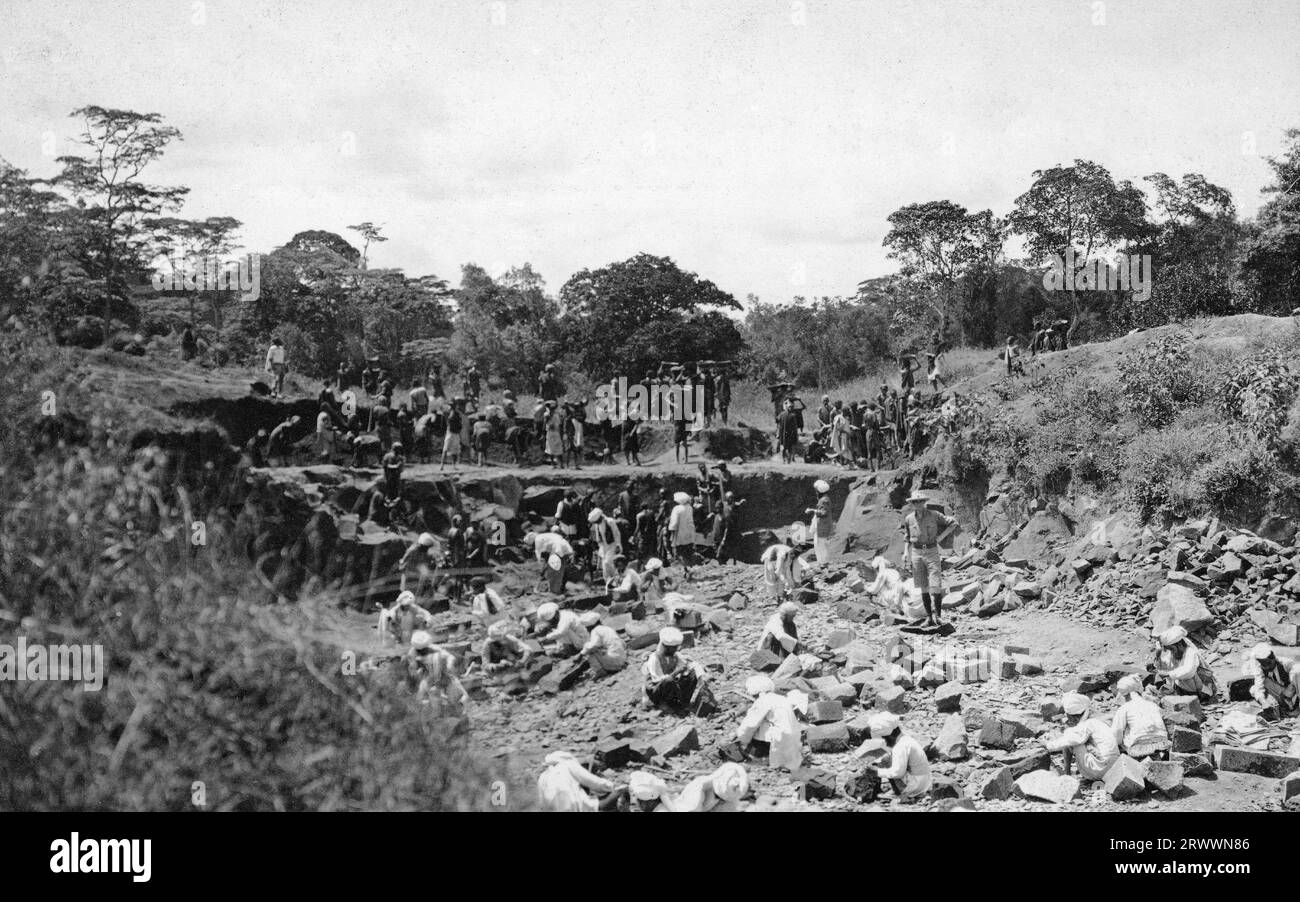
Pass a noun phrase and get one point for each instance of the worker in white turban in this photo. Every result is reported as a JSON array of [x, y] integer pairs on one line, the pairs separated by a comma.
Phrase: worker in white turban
[[1137, 725], [1087, 741], [1178, 663], [563, 785], [908, 771], [646, 790], [771, 720], [721, 790]]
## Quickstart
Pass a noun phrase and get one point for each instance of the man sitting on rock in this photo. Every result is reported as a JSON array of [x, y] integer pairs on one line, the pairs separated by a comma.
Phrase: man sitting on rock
[[1178, 664], [780, 636], [672, 681], [909, 770], [1088, 741], [1276, 686], [568, 635], [604, 650], [771, 721], [1138, 726]]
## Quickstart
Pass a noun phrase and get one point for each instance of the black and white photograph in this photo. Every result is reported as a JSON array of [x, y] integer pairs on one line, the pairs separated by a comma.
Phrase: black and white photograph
[[525, 407]]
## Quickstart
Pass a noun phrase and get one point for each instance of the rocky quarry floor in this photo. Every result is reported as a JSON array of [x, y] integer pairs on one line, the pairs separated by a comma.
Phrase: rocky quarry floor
[[1043, 609]]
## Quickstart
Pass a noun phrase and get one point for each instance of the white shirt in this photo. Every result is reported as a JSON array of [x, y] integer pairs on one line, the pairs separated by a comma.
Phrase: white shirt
[[561, 787], [909, 764], [606, 641], [653, 666], [888, 585], [771, 719], [1088, 735], [549, 543], [568, 629], [775, 626], [780, 560], [631, 580], [481, 606], [275, 354], [681, 524], [1138, 721]]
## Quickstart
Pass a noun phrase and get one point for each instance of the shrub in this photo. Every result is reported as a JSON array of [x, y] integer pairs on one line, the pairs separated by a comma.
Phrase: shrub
[[204, 681], [1160, 379], [1258, 393], [1238, 483]]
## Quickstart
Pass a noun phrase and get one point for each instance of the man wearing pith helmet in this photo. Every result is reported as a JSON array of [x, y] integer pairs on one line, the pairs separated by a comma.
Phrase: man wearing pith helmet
[[924, 529]]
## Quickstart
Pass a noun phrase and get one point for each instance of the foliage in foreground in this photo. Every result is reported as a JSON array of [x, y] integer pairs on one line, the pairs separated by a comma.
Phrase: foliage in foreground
[[204, 681]]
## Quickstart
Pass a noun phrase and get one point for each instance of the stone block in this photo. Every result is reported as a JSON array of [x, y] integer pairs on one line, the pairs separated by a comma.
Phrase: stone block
[[1186, 704], [825, 712], [1232, 759], [859, 728], [947, 698], [1196, 764], [1045, 786], [1126, 779], [832, 737], [945, 788], [814, 783], [999, 785], [679, 741], [892, 699], [1185, 739], [951, 744], [1165, 776]]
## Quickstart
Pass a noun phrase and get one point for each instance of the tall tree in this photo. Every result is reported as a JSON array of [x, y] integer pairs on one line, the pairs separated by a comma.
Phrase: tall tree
[[31, 236], [191, 244], [112, 196], [1271, 260], [506, 325], [946, 251], [603, 307], [1080, 207], [1194, 240], [369, 233]]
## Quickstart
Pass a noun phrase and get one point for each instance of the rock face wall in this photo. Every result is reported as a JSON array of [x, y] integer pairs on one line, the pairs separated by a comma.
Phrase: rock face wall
[[306, 526]]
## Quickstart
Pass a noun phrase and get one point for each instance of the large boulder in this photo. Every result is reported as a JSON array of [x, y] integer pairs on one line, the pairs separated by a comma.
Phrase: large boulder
[[951, 743], [1039, 539], [1048, 787], [1177, 605]]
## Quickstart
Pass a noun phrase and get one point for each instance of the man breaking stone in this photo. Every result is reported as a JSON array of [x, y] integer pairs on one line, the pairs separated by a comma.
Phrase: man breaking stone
[[673, 681]]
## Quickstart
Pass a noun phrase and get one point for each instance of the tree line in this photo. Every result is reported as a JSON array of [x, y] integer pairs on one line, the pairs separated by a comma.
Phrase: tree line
[[77, 249]]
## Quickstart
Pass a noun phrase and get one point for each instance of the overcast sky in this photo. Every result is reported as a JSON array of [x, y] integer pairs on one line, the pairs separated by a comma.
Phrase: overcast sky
[[761, 144]]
